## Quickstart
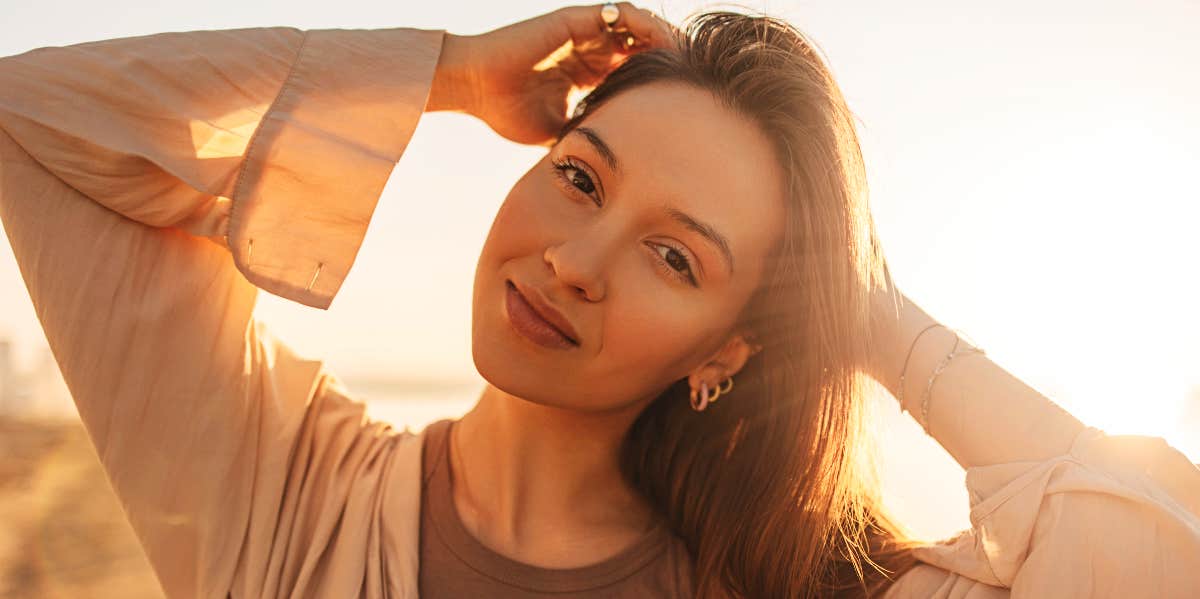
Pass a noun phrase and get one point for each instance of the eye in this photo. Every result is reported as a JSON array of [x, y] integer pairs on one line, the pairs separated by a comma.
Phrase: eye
[[675, 260], [567, 171]]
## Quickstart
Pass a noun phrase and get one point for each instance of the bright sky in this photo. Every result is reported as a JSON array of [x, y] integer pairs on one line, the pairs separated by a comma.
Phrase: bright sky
[[1033, 170]]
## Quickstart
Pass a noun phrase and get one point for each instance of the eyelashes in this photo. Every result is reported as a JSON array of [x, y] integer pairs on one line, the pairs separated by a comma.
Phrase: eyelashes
[[686, 274], [581, 181], [578, 180]]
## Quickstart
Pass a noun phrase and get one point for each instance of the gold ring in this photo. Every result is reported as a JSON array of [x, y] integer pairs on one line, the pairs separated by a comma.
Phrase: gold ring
[[610, 14]]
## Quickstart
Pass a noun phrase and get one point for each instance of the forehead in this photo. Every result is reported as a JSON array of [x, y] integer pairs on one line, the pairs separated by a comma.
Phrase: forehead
[[678, 146]]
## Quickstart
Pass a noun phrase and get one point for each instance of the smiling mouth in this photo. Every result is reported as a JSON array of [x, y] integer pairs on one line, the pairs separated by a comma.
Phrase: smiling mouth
[[531, 325]]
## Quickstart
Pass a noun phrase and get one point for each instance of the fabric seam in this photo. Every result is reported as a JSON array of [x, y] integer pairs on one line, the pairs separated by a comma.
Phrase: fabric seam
[[236, 199]]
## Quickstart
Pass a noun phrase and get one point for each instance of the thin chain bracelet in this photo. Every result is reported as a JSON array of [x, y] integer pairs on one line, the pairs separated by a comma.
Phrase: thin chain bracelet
[[954, 353], [904, 369]]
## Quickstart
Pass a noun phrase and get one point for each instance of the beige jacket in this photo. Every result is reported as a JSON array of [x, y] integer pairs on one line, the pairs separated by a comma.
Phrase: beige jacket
[[151, 185]]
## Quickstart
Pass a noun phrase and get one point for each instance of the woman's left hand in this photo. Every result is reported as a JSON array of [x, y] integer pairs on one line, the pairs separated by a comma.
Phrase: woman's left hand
[[516, 78]]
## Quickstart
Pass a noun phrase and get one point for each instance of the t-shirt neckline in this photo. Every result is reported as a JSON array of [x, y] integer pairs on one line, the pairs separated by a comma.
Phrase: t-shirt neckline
[[458, 540]]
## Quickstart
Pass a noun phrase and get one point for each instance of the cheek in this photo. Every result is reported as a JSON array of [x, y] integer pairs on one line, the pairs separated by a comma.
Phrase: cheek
[[533, 214], [657, 338]]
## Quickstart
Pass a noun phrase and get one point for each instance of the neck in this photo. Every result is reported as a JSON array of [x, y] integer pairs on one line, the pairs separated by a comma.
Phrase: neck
[[542, 484]]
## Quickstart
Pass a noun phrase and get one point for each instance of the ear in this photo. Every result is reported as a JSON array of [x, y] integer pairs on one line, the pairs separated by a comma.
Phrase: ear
[[726, 362]]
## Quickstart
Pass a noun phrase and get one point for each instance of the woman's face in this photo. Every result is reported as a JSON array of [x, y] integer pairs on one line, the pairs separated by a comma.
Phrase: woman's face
[[608, 229]]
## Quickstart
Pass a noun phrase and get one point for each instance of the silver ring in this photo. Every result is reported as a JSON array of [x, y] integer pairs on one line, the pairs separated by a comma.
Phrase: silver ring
[[611, 14]]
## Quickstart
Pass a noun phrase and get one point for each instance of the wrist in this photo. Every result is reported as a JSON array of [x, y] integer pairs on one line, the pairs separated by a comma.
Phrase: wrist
[[893, 333], [910, 354], [454, 85]]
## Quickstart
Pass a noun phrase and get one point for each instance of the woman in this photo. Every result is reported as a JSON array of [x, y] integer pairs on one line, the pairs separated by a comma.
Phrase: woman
[[700, 217]]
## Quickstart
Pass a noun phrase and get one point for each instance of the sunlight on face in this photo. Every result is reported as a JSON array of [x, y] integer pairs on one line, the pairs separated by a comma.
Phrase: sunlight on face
[[647, 228]]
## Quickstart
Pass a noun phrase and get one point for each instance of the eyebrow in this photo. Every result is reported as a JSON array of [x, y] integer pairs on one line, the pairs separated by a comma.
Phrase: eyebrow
[[705, 230], [601, 148]]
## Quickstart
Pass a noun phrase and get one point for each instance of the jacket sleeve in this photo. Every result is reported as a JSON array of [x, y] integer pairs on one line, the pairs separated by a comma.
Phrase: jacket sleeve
[[1115, 516], [275, 139], [149, 186]]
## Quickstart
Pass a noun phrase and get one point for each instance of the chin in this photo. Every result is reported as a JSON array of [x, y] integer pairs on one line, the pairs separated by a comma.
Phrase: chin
[[514, 373], [531, 390], [500, 356]]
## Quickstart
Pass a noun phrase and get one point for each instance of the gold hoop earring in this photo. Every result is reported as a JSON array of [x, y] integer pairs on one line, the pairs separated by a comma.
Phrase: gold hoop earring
[[722, 389], [701, 404]]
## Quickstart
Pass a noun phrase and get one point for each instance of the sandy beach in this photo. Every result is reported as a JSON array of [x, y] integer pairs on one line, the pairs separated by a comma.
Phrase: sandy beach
[[62, 532]]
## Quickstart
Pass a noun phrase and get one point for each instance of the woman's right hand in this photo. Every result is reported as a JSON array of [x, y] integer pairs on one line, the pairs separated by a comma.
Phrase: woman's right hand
[[516, 78]]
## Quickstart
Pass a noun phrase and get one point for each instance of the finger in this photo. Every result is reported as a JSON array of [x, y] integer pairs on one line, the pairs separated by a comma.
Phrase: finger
[[593, 45], [648, 29]]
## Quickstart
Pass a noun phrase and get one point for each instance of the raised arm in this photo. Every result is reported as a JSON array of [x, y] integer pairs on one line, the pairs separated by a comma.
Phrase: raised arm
[[210, 430], [231, 133], [977, 410], [150, 185], [1058, 509]]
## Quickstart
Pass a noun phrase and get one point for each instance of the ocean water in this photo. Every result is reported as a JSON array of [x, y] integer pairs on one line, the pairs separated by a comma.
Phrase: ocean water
[[415, 404]]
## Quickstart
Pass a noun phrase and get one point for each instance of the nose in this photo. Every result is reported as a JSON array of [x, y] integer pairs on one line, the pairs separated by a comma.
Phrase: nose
[[578, 264]]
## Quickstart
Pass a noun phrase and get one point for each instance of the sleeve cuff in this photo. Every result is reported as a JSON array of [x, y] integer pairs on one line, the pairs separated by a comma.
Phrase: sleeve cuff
[[318, 162], [1111, 486]]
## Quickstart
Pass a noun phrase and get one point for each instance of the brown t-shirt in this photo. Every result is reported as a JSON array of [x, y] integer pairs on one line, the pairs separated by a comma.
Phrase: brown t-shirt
[[454, 564]]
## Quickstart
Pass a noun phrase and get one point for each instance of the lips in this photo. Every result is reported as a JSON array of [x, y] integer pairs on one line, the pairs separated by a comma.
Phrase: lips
[[543, 311]]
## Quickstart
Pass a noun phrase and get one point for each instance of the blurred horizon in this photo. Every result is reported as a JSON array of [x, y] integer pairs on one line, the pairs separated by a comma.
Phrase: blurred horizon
[[1032, 169]]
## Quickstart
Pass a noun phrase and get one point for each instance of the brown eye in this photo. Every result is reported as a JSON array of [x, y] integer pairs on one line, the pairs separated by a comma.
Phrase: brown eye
[[576, 177], [583, 182], [677, 261]]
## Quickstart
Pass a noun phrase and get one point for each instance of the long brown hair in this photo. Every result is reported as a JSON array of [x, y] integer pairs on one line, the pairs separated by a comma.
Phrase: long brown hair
[[773, 489]]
